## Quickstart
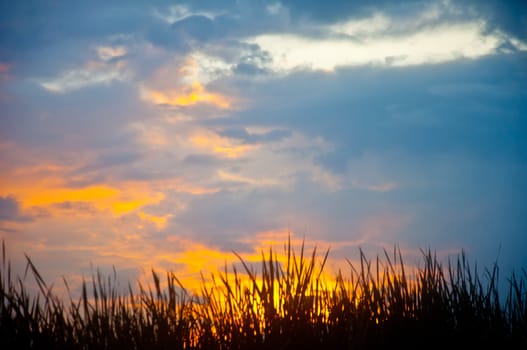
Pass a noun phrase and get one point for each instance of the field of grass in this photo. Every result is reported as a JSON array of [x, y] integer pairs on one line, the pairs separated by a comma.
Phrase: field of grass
[[284, 303]]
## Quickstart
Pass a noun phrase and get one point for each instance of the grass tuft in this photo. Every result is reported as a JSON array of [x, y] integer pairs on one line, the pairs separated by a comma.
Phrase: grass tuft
[[284, 303]]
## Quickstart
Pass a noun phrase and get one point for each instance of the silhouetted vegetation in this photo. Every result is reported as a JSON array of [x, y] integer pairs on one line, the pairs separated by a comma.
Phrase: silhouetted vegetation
[[285, 303]]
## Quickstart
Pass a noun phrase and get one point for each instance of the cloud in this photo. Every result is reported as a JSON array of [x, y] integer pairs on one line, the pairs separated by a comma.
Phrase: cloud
[[107, 53], [206, 67], [37, 25], [181, 84], [363, 109], [160, 221], [254, 182], [177, 13], [450, 42], [53, 192], [10, 210], [506, 16], [93, 73], [188, 96], [256, 137], [381, 187], [219, 125], [220, 146], [196, 27]]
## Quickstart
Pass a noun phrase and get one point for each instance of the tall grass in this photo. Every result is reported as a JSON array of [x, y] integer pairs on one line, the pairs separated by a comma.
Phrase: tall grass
[[285, 303]]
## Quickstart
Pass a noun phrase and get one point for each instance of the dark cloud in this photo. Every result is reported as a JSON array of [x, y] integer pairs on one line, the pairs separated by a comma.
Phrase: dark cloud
[[41, 38], [200, 160], [249, 69], [413, 110], [243, 135], [10, 210], [508, 16], [318, 11], [200, 28], [74, 208], [254, 62], [37, 24], [220, 22]]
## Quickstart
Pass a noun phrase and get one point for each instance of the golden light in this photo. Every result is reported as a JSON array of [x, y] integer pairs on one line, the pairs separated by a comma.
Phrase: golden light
[[47, 191], [220, 145], [187, 96], [160, 221]]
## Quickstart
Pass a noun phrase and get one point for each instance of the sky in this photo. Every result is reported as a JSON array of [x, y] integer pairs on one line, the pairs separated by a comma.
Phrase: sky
[[168, 134]]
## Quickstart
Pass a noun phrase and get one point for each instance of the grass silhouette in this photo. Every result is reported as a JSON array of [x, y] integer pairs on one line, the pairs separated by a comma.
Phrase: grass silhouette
[[285, 303]]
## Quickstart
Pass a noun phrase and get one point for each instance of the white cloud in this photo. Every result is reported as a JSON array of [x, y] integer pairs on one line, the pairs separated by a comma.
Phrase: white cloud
[[93, 72], [253, 182], [427, 46], [518, 44], [208, 67], [372, 25], [327, 179], [435, 33], [274, 9], [178, 13], [79, 78], [106, 53]]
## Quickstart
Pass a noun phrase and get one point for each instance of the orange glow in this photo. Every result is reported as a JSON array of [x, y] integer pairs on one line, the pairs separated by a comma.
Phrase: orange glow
[[44, 188], [232, 152], [196, 259], [45, 191], [180, 185], [189, 96], [220, 145], [159, 221], [120, 208], [46, 196]]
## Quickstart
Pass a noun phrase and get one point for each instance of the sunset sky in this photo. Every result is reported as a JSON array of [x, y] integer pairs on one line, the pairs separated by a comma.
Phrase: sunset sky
[[167, 134]]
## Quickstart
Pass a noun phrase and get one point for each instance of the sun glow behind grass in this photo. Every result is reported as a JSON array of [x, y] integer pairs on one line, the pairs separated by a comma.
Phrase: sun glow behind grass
[[283, 301]]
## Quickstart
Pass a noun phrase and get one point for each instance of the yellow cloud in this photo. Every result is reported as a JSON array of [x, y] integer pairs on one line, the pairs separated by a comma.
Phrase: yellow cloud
[[160, 221], [247, 180], [183, 84], [107, 53], [188, 96], [369, 42], [46, 196], [220, 145], [48, 191]]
